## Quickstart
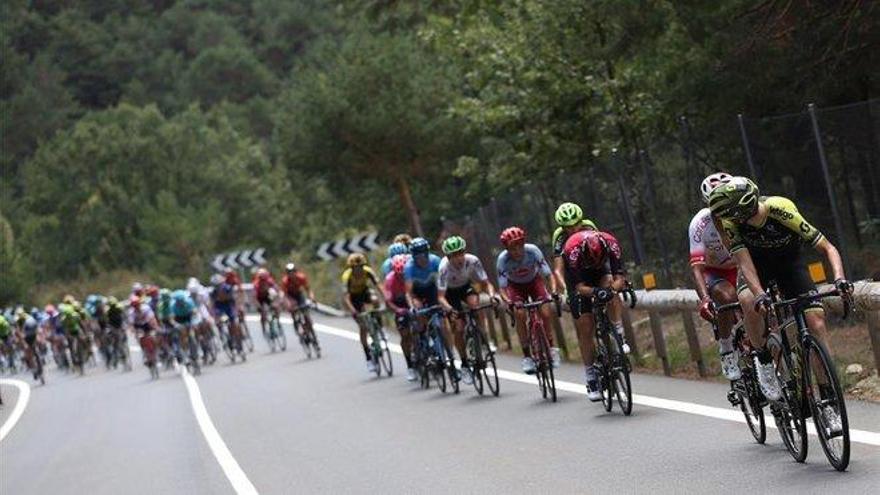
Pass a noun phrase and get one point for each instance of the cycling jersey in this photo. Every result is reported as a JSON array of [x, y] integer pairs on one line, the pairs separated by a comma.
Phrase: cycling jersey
[[524, 270], [452, 277], [782, 235], [612, 262], [294, 283], [5, 329], [358, 284], [30, 326], [182, 305], [395, 289], [386, 267], [223, 294], [559, 236], [115, 315], [262, 286], [705, 243], [422, 277], [70, 319], [140, 317]]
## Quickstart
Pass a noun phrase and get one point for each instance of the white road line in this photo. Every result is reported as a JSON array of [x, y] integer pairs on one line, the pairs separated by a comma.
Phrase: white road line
[[24, 395], [236, 476], [860, 436]]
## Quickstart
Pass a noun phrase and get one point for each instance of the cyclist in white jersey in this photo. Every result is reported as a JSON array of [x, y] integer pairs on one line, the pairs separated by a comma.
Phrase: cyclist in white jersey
[[459, 273], [714, 272]]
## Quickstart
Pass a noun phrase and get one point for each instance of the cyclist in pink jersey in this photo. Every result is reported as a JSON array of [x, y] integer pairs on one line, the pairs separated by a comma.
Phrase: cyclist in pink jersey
[[714, 272], [394, 290]]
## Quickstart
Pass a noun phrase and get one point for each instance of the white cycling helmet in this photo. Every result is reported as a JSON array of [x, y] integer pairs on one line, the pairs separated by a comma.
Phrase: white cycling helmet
[[711, 182]]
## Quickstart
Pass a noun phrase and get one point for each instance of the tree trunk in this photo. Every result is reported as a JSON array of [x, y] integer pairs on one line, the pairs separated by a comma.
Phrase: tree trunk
[[406, 200]]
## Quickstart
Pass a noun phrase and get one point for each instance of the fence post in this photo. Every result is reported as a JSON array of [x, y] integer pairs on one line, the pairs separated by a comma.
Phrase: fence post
[[490, 323], [505, 331], [629, 333], [873, 318], [560, 336], [659, 341], [746, 147], [820, 150], [693, 341]]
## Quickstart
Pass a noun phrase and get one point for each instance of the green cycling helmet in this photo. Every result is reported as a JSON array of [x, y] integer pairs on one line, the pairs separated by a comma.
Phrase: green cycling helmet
[[736, 200], [453, 244], [165, 294], [568, 215]]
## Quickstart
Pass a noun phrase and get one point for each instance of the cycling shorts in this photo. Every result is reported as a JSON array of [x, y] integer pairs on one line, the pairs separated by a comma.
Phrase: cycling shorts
[[714, 276], [521, 293], [790, 274], [263, 298], [184, 320], [299, 298], [457, 296], [361, 299], [227, 309], [426, 294], [30, 340]]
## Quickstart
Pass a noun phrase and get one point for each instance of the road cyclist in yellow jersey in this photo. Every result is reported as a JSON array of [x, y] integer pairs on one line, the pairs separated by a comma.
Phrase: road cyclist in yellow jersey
[[361, 286], [766, 237]]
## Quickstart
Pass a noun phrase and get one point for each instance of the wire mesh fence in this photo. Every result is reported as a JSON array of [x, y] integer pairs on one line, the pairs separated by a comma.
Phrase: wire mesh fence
[[826, 160]]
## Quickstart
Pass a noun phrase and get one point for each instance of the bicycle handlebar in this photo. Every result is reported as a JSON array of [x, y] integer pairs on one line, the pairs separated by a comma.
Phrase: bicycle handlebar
[[805, 299]]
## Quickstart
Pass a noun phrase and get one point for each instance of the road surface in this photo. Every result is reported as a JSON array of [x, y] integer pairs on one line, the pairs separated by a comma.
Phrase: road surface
[[280, 423]]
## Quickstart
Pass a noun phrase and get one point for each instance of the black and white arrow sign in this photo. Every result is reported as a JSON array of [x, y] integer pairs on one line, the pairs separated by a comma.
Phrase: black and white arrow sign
[[245, 258], [360, 243]]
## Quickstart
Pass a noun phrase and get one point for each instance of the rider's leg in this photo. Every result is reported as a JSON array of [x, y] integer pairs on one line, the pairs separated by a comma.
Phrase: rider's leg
[[520, 317], [752, 318], [724, 293]]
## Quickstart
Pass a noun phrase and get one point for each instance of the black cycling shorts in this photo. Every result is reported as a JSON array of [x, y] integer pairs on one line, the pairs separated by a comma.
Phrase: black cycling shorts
[[361, 300], [457, 296], [789, 272]]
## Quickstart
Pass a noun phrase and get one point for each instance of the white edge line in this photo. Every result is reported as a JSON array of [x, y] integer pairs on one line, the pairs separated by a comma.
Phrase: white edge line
[[860, 436], [24, 395], [236, 476]]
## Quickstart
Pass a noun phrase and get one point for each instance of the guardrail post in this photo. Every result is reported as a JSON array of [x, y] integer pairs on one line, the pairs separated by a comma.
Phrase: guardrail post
[[560, 336], [505, 331], [490, 323], [629, 333], [693, 342], [659, 341], [873, 318]]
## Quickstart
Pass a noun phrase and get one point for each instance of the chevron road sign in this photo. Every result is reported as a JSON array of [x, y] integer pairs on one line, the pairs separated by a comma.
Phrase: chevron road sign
[[245, 258], [360, 243]]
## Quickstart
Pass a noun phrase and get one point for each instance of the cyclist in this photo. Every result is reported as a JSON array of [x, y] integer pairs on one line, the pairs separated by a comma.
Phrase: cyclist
[[569, 219], [593, 265], [202, 297], [714, 273], [359, 282], [521, 271], [72, 323], [394, 249], [458, 275], [223, 299], [264, 285], [395, 297], [115, 325], [6, 340], [185, 314], [766, 237], [143, 321], [152, 294], [28, 330], [297, 291]]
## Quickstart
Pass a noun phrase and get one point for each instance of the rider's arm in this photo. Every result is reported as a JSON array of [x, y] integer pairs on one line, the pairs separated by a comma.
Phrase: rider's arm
[[833, 256], [558, 273], [748, 271], [409, 294], [700, 282]]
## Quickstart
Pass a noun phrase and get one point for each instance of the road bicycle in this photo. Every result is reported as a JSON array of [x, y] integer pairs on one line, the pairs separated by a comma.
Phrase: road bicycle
[[272, 330], [307, 337], [613, 366], [431, 354], [233, 339], [480, 353], [380, 354], [149, 346], [809, 380], [539, 343], [245, 330], [35, 362]]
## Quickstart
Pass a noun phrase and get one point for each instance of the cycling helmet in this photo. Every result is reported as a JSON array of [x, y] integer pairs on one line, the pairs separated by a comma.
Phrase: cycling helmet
[[134, 301], [396, 249], [35, 312], [193, 284], [165, 294], [511, 235], [454, 244], [290, 267], [112, 301], [736, 200], [398, 263], [711, 182], [216, 279], [404, 239], [230, 277], [50, 310], [263, 274], [356, 259], [69, 299], [137, 288], [153, 290], [569, 215], [419, 245], [585, 249], [179, 295]]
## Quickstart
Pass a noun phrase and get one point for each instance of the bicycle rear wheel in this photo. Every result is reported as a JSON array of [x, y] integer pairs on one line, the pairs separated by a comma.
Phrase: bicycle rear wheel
[[605, 382], [789, 412], [475, 359], [490, 371], [545, 366], [747, 390], [385, 357], [622, 385], [826, 400]]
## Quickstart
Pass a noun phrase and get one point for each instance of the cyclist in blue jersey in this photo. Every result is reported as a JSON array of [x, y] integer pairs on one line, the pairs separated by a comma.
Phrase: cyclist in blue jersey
[[420, 275]]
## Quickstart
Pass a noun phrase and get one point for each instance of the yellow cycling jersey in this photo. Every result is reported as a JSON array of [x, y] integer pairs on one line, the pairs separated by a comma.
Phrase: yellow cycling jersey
[[784, 230], [355, 284]]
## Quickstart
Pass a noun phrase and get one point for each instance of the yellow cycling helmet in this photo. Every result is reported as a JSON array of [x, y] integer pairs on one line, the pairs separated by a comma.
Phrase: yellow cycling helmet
[[356, 259]]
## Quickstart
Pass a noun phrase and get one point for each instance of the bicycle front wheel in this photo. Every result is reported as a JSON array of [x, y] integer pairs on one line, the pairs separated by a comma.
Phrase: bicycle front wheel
[[385, 357], [622, 385], [825, 397], [746, 389]]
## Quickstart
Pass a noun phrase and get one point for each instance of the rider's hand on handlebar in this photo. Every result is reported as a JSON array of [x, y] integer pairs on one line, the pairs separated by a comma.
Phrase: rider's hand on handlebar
[[603, 295], [707, 310], [844, 286], [762, 303]]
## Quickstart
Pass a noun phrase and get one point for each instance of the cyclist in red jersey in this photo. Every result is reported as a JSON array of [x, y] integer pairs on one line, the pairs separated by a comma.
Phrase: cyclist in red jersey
[[297, 291], [593, 264], [264, 290]]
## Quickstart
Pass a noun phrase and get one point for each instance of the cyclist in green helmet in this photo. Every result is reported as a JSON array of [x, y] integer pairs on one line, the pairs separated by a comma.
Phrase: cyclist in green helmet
[[569, 219], [461, 278]]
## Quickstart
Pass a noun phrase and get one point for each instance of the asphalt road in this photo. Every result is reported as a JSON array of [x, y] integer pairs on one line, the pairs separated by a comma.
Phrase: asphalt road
[[292, 425]]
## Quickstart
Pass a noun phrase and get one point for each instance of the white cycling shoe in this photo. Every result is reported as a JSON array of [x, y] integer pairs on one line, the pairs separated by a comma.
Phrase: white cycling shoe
[[767, 380], [528, 366], [730, 365], [466, 376], [371, 367], [594, 392], [411, 375], [554, 357]]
